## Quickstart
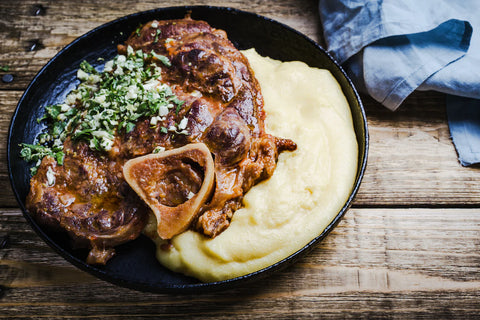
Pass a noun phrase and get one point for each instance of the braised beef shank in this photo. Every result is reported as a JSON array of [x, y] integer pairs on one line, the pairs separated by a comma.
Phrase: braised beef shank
[[88, 197], [224, 107]]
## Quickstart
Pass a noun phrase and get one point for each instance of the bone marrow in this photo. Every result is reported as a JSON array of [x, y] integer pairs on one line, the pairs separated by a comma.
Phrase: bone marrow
[[174, 184]]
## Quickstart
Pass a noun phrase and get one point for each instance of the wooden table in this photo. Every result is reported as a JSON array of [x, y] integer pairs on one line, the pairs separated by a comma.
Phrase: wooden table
[[408, 248]]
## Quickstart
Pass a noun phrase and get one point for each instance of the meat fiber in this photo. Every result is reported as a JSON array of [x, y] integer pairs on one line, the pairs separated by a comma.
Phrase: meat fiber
[[226, 111]]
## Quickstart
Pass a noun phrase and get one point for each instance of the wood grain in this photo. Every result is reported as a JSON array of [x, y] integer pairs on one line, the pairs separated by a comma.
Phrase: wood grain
[[63, 22], [408, 249], [421, 168], [412, 159], [374, 261], [8, 102]]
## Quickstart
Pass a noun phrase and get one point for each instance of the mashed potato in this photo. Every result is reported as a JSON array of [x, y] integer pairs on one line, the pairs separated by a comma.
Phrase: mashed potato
[[306, 191]]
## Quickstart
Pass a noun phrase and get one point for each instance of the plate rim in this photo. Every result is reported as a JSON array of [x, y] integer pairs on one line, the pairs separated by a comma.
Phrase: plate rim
[[200, 286]]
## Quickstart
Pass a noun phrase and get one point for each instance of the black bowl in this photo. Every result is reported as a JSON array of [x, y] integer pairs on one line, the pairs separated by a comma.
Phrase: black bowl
[[135, 265]]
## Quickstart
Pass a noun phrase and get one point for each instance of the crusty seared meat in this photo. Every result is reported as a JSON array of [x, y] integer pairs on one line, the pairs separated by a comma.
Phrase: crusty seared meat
[[227, 116], [89, 197]]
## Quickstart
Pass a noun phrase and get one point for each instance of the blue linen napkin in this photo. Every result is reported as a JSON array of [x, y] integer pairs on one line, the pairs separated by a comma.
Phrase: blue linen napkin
[[391, 48]]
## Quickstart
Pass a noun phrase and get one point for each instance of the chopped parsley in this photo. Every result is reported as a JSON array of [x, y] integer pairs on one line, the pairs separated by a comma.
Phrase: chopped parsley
[[162, 58], [158, 149], [105, 103], [137, 31], [35, 153], [157, 33]]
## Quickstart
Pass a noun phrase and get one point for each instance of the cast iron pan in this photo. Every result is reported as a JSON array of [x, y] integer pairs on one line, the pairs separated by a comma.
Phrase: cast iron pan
[[135, 265]]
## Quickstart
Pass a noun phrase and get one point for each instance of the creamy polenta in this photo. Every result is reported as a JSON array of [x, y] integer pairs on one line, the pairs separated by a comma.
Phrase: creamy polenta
[[306, 191]]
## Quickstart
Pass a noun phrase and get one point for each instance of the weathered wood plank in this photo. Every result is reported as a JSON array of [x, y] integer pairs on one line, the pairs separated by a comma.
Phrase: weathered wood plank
[[421, 168], [379, 263], [400, 239], [8, 102], [412, 160], [62, 21], [236, 305], [408, 262]]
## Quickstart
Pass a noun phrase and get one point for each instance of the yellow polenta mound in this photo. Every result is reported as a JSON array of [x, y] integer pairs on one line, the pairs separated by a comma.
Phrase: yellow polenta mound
[[306, 191]]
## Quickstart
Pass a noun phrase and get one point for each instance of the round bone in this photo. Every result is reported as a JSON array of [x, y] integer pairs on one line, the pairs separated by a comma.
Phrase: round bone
[[174, 184]]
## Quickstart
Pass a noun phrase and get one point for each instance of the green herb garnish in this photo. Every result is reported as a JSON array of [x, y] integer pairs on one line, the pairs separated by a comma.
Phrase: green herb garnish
[[155, 40], [35, 153], [162, 58], [105, 103], [137, 31]]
